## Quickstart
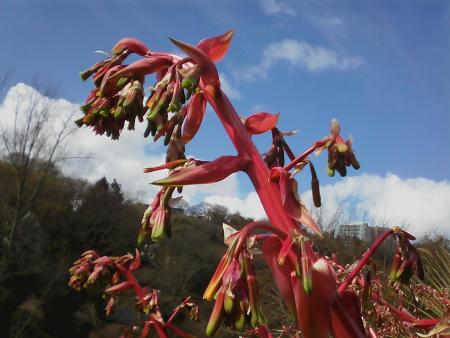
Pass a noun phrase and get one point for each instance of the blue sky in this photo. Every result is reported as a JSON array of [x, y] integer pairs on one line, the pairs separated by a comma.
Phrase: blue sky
[[381, 67]]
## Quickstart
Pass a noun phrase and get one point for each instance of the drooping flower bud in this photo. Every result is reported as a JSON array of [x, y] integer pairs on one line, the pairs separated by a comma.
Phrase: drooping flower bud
[[315, 187], [229, 280], [223, 265], [257, 316]]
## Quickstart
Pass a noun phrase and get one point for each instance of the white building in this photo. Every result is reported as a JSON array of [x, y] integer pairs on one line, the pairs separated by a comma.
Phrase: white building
[[360, 230]]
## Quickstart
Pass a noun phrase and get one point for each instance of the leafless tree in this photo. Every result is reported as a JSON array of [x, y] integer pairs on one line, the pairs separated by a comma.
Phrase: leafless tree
[[33, 140]]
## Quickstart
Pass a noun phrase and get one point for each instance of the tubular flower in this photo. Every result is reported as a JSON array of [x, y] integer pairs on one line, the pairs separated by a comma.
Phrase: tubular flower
[[156, 219], [237, 299], [223, 265], [257, 316]]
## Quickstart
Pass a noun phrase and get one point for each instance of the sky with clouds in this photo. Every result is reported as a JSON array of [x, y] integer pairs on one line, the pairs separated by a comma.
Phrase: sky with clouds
[[382, 68]]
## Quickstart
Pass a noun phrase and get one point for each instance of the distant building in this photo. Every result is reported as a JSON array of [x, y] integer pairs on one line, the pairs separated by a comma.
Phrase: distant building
[[359, 230], [362, 231]]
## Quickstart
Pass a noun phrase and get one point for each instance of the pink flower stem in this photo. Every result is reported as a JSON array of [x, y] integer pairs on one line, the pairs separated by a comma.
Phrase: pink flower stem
[[300, 158], [363, 261], [178, 309], [247, 229], [258, 172]]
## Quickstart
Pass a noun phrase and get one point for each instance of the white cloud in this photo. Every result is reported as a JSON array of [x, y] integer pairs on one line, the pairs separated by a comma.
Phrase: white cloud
[[230, 90], [249, 206], [300, 54], [419, 203], [271, 7]]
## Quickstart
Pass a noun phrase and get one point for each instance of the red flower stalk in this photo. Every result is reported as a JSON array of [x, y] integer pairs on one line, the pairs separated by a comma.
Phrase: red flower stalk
[[174, 111]]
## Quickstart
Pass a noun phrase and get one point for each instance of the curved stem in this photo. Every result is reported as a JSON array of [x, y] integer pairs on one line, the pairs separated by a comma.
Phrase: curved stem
[[305, 154], [363, 261], [247, 229]]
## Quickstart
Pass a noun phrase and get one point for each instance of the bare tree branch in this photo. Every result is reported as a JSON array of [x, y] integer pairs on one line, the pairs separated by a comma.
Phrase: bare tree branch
[[34, 142]]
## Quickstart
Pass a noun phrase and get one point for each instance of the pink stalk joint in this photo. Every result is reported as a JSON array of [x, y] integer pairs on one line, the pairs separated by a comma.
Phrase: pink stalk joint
[[321, 302]]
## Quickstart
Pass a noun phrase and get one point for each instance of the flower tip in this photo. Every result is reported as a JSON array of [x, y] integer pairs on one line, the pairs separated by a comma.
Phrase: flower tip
[[180, 44]]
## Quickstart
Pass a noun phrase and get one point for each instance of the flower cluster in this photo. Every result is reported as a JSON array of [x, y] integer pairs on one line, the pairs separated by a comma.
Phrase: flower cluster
[[324, 297], [340, 152], [118, 94], [118, 273], [156, 219], [234, 287]]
